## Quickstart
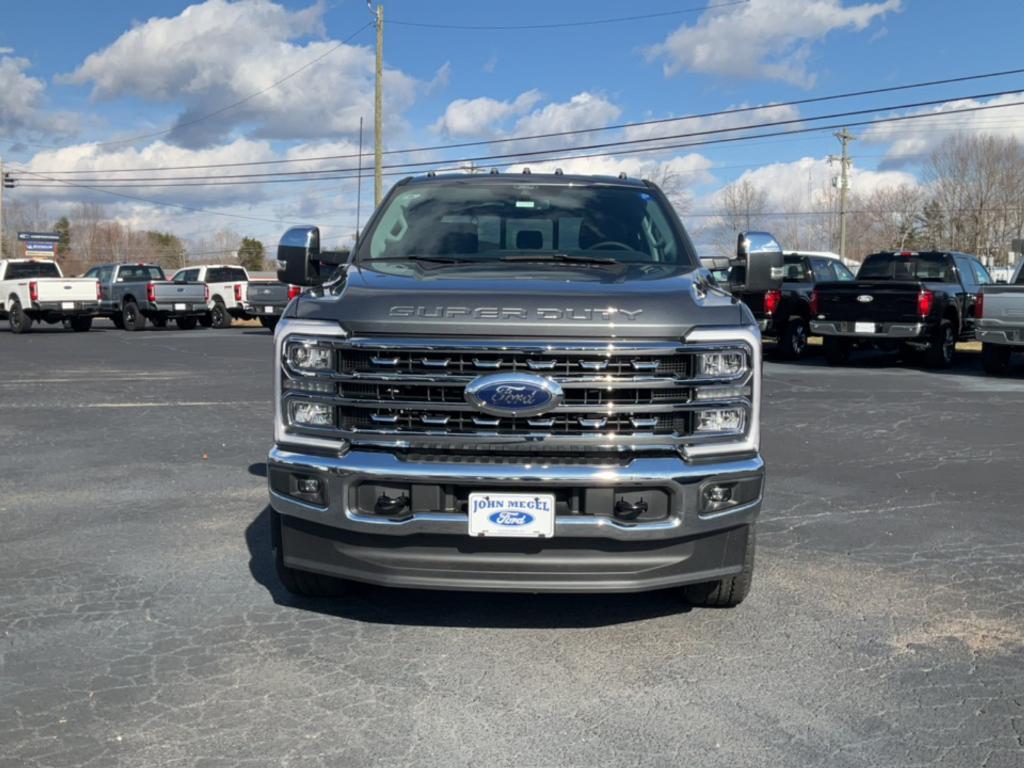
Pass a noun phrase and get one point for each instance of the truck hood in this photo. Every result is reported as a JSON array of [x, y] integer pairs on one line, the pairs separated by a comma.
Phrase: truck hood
[[521, 300]]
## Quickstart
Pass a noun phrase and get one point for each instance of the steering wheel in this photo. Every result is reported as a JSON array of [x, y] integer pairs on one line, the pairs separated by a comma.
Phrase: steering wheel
[[606, 245]]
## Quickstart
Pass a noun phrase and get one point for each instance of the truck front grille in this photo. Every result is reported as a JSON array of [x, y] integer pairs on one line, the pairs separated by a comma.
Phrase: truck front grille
[[616, 391]]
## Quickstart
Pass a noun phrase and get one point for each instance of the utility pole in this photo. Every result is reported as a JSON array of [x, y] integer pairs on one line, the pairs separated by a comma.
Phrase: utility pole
[[845, 137], [378, 110], [3, 183]]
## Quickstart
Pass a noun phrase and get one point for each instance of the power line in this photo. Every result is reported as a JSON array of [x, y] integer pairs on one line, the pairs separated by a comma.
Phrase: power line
[[566, 24], [216, 112], [577, 131], [540, 154]]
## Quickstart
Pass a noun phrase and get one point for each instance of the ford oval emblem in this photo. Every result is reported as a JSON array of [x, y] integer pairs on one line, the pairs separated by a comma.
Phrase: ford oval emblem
[[514, 394], [511, 518], [865, 298]]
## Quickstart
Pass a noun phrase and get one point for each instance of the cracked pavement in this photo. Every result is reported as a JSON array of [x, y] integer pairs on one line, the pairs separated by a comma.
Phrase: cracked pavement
[[141, 623]]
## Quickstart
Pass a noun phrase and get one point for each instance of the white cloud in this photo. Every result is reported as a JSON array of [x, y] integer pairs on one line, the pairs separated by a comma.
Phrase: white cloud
[[218, 52], [584, 110], [806, 183], [481, 116], [22, 100], [911, 140], [768, 39]]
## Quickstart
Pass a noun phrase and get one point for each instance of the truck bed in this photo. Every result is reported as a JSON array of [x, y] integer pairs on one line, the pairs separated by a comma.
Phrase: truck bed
[[1002, 319], [872, 301]]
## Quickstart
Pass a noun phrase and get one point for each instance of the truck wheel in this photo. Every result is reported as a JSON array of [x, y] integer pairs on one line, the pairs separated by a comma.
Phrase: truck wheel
[[793, 340], [270, 323], [185, 323], [132, 317], [80, 324], [837, 350], [995, 359], [219, 317], [728, 592], [301, 583], [18, 320], [942, 347]]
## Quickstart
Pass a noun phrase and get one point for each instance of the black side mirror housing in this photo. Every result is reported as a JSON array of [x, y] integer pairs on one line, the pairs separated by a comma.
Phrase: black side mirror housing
[[298, 257], [758, 265]]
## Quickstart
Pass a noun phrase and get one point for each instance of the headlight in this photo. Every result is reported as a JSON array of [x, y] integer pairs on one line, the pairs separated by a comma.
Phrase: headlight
[[307, 414], [306, 356], [716, 365], [720, 420]]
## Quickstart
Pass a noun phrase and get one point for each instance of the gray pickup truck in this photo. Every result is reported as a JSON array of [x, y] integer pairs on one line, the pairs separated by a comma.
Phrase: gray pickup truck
[[132, 294], [521, 383], [1000, 322], [267, 299]]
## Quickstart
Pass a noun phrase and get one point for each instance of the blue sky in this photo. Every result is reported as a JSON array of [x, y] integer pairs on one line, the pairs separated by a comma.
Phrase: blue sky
[[70, 78]]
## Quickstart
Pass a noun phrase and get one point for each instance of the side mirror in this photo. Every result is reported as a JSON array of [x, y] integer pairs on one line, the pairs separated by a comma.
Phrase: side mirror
[[758, 265], [1001, 281], [298, 256]]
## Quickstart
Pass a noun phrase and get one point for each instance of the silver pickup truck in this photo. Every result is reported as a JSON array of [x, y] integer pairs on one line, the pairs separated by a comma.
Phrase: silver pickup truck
[[267, 299], [133, 294], [1000, 322]]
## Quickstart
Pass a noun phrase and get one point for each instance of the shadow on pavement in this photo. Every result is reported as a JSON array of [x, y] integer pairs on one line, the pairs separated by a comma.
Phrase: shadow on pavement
[[413, 607]]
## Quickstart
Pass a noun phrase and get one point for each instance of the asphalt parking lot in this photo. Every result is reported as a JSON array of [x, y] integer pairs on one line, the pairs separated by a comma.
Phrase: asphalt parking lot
[[142, 624]]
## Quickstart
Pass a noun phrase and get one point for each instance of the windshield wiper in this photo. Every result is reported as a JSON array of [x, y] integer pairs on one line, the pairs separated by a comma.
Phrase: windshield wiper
[[564, 258], [427, 259]]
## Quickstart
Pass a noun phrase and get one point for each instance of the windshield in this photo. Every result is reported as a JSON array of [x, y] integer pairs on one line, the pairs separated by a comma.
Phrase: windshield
[[493, 222], [17, 270], [919, 266]]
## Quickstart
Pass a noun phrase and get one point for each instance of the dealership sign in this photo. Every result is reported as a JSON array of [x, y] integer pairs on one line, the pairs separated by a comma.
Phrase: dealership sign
[[39, 243]]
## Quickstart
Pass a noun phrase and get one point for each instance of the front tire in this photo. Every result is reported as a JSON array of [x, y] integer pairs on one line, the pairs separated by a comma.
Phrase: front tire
[[80, 324], [728, 592], [836, 349], [18, 320], [270, 323], [219, 317], [942, 347], [995, 359], [793, 340], [301, 583], [132, 317], [185, 323]]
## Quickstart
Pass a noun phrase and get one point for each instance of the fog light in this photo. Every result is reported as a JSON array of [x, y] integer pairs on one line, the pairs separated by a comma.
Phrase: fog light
[[721, 393], [310, 485], [307, 414], [720, 364], [719, 420], [719, 494]]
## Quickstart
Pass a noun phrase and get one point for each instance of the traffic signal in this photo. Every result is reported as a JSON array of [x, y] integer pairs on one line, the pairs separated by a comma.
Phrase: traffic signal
[[8, 181]]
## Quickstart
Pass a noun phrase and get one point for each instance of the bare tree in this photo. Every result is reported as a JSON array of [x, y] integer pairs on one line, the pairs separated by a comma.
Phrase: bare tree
[[741, 207]]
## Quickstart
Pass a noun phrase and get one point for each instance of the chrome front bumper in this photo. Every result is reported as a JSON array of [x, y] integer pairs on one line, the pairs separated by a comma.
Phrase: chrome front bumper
[[684, 482]]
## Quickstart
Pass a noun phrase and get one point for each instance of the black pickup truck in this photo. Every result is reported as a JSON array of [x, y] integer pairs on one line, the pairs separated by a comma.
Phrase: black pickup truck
[[784, 312], [910, 301]]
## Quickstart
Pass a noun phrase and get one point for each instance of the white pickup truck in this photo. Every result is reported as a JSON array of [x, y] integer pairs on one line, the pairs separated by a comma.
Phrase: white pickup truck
[[227, 291], [36, 291]]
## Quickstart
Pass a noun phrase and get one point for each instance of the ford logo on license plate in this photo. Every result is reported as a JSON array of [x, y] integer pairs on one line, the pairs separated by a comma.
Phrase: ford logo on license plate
[[514, 394], [511, 518]]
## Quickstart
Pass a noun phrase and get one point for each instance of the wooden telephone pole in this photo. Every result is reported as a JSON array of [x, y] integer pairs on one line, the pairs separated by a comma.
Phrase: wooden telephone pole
[[845, 137], [378, 110]]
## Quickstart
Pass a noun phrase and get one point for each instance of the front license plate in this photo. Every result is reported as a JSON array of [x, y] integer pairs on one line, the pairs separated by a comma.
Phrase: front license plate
[[526, 515], [268, 310], [67, 305], [863, 327], [180, 307]]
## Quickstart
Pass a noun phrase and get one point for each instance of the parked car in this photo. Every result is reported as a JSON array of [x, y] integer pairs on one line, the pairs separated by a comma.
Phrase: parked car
[[915, 302], [1000, 322], [34, 290], [132, 294], [227, 291], [784, 312], [518, 383], [267, 299]]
